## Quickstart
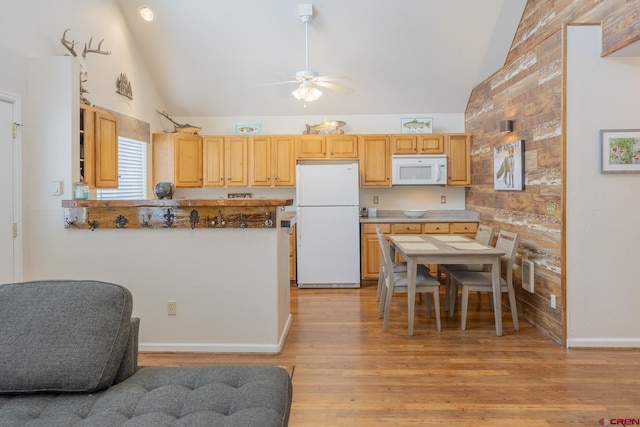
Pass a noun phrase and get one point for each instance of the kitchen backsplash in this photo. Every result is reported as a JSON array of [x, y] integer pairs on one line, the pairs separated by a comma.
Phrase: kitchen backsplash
[[393, 198]]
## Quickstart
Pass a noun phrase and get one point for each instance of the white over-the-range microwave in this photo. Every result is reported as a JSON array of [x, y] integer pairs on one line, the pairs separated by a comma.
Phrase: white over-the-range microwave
[[419, 170]]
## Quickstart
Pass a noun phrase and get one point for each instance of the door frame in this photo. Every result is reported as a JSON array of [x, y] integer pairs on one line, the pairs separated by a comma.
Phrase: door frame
[[16, 103]]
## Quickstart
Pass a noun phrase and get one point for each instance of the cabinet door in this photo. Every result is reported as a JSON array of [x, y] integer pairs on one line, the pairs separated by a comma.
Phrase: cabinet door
[[430, 144], [106, 150], [403, 144], [235, 161], [292, 254], [188, 160], [311, 147], [370, 263], [260, 174], [342, 146], [375, 161], [284, 161], [213, 152], [458, 149]]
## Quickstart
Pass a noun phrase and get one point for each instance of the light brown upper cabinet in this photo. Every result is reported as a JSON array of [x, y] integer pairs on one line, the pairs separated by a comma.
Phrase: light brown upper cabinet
[[431, 143], [213, 153], [225, 161], [458, 150], [327, 147], [235, 161], [98, 148], [177, 158], [375, 161], [272, 161]]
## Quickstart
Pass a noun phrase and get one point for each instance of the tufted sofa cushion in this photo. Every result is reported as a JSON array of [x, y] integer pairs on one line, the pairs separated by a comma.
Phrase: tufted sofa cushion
[[212, 396], [63, 336]]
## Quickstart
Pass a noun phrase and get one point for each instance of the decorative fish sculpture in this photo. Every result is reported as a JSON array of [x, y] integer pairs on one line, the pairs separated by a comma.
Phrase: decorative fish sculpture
[[326, 126]]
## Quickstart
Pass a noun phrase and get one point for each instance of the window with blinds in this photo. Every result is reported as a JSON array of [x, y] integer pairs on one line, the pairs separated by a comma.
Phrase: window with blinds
[[132, 172]]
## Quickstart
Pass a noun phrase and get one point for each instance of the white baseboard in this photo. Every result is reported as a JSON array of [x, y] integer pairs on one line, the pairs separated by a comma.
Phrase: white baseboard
[[218, 347], [604, 342]]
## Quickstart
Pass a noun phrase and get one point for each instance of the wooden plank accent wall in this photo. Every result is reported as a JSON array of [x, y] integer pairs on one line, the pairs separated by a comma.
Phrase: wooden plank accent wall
[[529, 90], [542, 18]]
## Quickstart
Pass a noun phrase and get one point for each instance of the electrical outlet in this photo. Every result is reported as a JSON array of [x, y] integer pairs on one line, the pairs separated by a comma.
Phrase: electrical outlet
[[172, 308], [443, 199], [553, 301], [375, 200]]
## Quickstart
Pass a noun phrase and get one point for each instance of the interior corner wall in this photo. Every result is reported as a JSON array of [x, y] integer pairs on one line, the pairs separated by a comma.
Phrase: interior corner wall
[[602, 232]]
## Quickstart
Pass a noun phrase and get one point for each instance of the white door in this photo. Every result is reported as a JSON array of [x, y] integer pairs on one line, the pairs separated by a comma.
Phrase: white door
[[7, 273]]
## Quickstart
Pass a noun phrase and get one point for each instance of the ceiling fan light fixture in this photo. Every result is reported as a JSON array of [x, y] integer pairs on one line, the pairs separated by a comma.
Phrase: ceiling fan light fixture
[[146, 13], [307, 93]]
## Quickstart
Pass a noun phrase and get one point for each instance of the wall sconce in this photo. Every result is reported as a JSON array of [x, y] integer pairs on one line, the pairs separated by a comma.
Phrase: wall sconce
[[506, 126]]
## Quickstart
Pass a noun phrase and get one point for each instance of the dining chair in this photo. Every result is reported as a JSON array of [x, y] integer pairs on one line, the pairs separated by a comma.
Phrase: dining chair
[[484, 236], [398, 266], [481, 280], [397, 282]]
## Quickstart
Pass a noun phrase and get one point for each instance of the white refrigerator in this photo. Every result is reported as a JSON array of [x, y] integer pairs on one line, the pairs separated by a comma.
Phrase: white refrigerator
[[328, 230]]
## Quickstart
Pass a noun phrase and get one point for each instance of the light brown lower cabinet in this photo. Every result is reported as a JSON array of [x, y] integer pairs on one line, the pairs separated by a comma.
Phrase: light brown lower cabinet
[[370, 250], [292, 254]]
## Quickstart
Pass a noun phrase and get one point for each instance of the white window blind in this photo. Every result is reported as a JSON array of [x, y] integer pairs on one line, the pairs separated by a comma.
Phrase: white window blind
[[132, 172]]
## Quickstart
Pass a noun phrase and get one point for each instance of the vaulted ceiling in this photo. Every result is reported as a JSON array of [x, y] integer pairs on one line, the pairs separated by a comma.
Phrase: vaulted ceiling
[[215, 57]]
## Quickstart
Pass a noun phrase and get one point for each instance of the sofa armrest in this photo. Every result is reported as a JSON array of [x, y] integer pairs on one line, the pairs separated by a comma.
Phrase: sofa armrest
[[129, 364]]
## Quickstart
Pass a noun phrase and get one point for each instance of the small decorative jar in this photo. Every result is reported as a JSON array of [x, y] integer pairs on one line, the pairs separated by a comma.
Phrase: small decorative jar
[[80, 191]]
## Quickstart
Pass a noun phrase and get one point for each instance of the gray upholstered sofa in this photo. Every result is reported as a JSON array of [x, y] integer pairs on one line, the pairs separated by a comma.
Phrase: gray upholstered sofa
[[68, 357]]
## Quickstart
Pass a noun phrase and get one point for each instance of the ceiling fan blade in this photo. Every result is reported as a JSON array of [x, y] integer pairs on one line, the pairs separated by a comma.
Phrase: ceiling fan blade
[[333, 86], [279, 83], [330, 78]]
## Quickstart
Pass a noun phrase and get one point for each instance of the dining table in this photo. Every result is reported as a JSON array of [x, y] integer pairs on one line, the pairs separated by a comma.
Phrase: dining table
[[446, 249]]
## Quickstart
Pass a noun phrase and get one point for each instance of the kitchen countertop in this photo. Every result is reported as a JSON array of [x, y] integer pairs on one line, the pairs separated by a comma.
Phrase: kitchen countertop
[[396, 216]]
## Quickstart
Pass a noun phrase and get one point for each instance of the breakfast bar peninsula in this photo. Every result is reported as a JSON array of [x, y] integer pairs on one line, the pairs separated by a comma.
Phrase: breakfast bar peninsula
[[214, 272]]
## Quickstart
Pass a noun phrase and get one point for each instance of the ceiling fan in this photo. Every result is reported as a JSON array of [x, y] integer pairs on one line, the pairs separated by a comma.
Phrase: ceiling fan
[[307, 91]]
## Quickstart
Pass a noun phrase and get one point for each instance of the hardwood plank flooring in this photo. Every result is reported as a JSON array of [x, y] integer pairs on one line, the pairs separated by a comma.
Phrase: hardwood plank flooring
[[350, 373]]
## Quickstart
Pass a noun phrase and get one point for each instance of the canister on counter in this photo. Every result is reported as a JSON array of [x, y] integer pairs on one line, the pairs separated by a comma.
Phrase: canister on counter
[[80, 190]]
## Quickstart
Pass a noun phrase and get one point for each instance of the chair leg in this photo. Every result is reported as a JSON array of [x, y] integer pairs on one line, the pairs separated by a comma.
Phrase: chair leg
[[380, 285], [387, 308], [512, 306], [452, 287], [428, 305], [383, 298], [436, 306], [463, 307]]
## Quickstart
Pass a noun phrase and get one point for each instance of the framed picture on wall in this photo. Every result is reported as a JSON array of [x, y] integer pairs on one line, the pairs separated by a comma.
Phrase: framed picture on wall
[[620, 150], [508, 166], [417, 125]]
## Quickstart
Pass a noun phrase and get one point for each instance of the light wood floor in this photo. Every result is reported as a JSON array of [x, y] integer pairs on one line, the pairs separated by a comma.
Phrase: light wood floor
[[349, 373]]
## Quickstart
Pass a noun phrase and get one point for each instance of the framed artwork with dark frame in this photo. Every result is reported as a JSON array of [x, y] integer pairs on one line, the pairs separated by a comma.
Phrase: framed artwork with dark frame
[[620, 150], [508, 166]]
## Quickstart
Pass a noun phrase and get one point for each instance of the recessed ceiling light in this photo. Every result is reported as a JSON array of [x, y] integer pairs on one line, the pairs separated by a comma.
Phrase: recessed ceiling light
[[146, 13]]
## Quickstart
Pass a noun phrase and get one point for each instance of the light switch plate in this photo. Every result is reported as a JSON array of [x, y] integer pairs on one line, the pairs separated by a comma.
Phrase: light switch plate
[[56, 188]]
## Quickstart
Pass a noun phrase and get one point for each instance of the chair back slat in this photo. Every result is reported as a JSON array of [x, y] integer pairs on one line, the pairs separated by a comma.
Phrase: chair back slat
[[508, 242], [484, 234], [387, 262]]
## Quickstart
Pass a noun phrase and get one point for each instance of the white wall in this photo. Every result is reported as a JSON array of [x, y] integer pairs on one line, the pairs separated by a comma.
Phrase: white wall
[[602, 209]]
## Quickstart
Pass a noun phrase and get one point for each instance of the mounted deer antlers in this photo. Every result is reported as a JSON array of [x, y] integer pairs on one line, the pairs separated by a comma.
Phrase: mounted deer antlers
[[70, 45]]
